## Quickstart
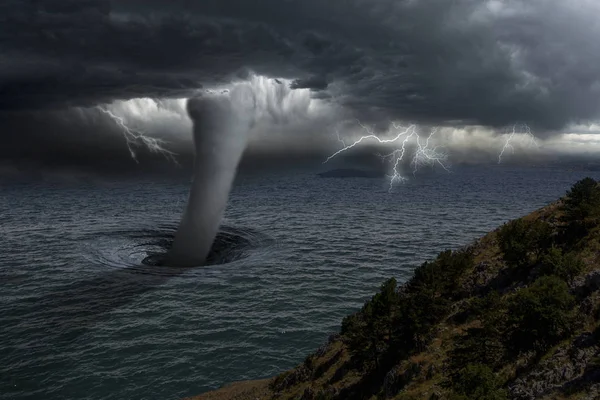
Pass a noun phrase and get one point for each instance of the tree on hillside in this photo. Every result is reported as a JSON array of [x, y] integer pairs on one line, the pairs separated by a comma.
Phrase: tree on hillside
[[540, 315], [581, 208], [367, 333], [565, 266], [442, 276], [477, 382], [522, 240]]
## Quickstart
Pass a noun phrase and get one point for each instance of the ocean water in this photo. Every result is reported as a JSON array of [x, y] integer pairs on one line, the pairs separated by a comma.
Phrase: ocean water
[[85, 315]]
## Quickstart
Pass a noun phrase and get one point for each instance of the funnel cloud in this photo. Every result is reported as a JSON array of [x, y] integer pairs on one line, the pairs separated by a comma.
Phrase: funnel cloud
[[220, 132]]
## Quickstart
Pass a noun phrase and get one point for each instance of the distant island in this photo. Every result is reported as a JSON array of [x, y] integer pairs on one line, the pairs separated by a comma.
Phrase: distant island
[[350, 173], [515, 315]]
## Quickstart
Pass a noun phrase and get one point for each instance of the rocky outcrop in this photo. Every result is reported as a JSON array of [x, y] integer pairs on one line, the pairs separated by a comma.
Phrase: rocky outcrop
[[462, 343], [585, 285], [400, 376], [570, 367]]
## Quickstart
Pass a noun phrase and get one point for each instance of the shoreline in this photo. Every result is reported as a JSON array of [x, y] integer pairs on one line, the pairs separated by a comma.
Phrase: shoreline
[[368, 360]]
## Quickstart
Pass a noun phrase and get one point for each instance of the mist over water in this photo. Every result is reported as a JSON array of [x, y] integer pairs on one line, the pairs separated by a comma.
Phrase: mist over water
[[87, 314]]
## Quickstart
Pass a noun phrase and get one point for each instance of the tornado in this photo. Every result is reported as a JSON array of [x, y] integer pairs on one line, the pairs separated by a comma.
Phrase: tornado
[[221, 124]]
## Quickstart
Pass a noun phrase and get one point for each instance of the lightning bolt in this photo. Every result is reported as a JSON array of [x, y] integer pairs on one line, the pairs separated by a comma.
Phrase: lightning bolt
[[524, 129], [134, 137], [339, 138], [424, 154]]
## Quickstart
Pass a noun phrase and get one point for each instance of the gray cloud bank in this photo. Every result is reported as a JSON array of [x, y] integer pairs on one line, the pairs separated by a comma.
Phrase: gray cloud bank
[[461, 62]]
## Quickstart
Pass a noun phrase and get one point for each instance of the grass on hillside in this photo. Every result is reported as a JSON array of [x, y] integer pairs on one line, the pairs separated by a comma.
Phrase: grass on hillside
[[470, 322]]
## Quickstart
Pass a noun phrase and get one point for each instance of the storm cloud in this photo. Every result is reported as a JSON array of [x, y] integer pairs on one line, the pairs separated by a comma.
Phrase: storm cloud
[[450, 63]]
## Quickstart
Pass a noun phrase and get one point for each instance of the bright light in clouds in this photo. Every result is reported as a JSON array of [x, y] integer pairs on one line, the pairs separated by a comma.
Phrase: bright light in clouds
[[575, 143], [291, 120], [156, 118], [286, 119], [584, 129]]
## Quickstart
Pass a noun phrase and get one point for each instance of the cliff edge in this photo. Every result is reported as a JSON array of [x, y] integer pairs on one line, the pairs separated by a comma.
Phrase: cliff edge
[[515, 315]]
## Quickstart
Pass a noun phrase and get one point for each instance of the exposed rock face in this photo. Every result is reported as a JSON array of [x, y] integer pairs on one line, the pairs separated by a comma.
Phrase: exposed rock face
[[297, 375], [398, 377], [455, 330], [569, 367], [590, 306], [587, 284], [480, 278], [593, 392]]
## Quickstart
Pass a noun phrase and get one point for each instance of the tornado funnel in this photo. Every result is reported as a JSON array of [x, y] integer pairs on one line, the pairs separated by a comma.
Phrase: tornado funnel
[[220, 129]]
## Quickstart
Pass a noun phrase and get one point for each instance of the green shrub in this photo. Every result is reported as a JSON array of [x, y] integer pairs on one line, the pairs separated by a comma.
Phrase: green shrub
[[540, 315], [442, 276], [478, 345], [512, 241], [483, 344], [581, 208], [521, 240], [355, 335], [324, 395], [565, 266], [367, 333], [390, 323], [583, 200], [417, 314], [477, 382], [481, 306]]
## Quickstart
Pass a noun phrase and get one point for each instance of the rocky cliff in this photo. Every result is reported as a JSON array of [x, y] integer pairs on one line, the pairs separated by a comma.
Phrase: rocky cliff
[[515, 315]]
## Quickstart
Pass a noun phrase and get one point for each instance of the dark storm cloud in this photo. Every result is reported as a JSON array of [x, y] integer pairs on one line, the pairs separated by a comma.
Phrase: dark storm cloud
[[314, 83], [73, 138], [434, 62], [475, 61]]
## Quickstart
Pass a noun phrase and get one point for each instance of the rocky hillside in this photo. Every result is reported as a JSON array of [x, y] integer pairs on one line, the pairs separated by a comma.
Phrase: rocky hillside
[[516, 315]]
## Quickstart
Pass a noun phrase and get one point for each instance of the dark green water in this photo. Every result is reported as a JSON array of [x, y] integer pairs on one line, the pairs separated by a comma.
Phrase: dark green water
[[82, 317]]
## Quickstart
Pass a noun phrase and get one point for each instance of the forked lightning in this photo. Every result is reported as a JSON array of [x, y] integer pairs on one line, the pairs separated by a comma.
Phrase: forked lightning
[[134, 137], [424, 154], [507, 145]]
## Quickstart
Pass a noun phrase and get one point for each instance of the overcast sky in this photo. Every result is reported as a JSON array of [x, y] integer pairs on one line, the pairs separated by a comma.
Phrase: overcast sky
[[469, 66]]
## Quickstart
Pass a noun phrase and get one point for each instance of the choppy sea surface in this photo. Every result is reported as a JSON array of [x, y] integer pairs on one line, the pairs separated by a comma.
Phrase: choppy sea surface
[[84, 315]]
